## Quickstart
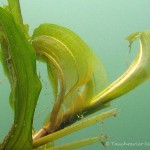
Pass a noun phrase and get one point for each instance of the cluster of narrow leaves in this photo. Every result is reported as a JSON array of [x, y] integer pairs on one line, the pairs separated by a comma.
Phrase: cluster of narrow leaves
[[77, 76]]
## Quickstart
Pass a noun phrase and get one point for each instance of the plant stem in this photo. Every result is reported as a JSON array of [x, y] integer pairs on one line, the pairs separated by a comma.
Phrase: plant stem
[[78, 144], [73, 128]]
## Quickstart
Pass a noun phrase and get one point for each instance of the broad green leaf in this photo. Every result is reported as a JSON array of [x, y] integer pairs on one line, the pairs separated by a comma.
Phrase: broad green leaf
[[76, 67], [21, 71]]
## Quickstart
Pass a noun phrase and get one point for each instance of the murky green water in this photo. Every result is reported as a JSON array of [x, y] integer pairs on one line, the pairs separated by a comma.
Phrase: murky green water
[[103, 24]]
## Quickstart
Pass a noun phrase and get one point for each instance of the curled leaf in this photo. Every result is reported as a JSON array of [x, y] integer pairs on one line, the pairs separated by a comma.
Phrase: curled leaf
[[138, 72]]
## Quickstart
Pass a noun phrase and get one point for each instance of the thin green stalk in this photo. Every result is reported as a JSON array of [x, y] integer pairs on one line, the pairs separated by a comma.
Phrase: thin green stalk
[[78, 144], [73, 128]]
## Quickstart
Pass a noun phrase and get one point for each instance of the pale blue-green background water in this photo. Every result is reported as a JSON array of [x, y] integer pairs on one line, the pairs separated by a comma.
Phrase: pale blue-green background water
[[103, 24]]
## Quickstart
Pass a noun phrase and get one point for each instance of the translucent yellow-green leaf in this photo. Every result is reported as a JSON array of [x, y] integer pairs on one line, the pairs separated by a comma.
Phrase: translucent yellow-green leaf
[[80, 73]]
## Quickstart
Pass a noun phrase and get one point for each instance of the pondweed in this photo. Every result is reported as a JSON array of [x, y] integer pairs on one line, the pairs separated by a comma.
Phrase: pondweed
[[77, 76]]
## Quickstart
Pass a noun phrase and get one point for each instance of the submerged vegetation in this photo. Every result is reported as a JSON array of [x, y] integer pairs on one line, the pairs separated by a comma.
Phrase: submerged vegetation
[[78, 79]]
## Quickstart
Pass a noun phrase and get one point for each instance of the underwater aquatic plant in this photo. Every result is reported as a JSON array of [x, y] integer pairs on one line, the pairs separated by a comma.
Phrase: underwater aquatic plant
[[77, 76]]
